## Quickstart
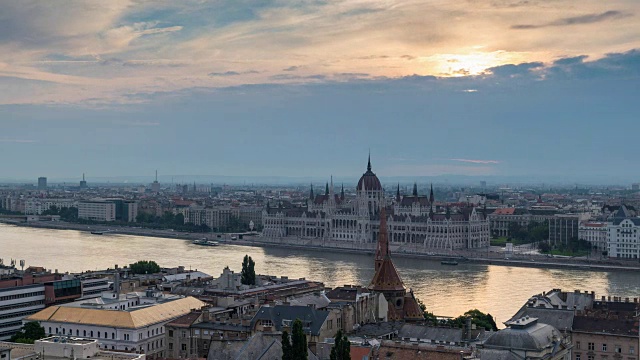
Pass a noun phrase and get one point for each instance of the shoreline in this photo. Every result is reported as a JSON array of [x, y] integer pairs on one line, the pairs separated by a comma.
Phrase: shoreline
[[466, 256]]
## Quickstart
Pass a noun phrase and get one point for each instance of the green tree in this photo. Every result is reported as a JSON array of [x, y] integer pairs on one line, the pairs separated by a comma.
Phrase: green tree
[[29, 333], [144, 267], [298, 342], [428, 316], [341, 349], [248, 274], [287, 350]]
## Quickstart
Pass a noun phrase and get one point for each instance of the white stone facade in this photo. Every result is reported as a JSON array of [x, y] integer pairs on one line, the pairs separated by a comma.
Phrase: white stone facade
[[413, 224]]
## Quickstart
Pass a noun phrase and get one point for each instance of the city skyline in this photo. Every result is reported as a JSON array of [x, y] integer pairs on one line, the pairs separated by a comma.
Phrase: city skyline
[[495, 89]]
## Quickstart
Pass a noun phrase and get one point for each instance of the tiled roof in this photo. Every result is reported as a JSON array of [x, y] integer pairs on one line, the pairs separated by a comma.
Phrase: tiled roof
[[312, 319], [116, 318]]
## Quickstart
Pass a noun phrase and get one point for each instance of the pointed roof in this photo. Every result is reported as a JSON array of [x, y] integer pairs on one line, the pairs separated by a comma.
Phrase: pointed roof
[[311, 193], [386, 277], [431, 198], [342, 192], [398, 194], [415, 189], [326, 189]]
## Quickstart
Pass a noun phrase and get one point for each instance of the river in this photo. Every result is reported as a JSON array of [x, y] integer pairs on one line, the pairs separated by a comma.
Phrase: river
[[446, 290]]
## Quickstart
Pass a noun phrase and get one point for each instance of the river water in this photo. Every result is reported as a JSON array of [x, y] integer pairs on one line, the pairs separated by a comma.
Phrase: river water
[[446, 290]]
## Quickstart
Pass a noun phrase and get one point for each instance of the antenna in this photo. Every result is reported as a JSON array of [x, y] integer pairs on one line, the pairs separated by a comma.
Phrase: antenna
[[156, 175]]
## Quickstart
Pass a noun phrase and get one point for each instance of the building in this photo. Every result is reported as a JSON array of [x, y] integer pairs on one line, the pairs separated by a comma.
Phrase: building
[[386, 280], [564, 228], [607, 331], [525, 338], [413, 223], [83, 182], [138, 329], [36, 206], [42, 183], [61, 348], [623, 238], [97, 210], [317, 324], [368, 306], [21, 295], [595, 233], [502, 220]]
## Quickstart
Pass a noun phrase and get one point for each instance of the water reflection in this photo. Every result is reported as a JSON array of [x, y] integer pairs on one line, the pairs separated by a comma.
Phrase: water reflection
[[446, 290]]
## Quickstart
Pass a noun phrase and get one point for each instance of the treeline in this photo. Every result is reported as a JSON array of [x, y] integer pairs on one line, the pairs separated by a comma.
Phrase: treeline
[[478, 318], [534, 232], [69, 214]]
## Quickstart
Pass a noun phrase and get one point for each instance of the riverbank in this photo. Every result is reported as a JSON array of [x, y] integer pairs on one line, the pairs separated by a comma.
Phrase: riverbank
[[484, 256]]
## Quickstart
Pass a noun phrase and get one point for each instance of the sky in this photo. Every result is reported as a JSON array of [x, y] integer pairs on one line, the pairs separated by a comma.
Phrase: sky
[[544, 89]]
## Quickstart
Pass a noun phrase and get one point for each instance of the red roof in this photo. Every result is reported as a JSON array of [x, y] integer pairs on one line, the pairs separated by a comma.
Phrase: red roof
[[359, 352], [505, 211]]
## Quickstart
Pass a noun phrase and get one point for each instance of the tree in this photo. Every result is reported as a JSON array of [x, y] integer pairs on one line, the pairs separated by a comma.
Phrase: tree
[[341, 349], [298, 342], [287, 350], [144, 267], [428, 316], [248, 275], [29, 333]]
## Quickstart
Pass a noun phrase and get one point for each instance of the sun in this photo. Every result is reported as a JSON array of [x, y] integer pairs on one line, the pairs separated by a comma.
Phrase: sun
[[468, 64]]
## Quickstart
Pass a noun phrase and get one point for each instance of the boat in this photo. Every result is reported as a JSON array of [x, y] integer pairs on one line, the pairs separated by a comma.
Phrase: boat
[[205, 242], [448, 262], [97, 232]]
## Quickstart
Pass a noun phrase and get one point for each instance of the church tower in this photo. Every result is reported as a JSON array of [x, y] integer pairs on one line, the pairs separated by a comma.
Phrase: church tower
[[386, 280]]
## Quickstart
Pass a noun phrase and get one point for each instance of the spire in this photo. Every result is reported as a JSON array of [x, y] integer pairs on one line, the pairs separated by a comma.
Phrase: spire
[[369, 162], [415, 189], [331, 187], [383, 240], [342, 192], [326, 189], [311, 193], [82, 176], [431, 198], [156, 175], [398, 194]]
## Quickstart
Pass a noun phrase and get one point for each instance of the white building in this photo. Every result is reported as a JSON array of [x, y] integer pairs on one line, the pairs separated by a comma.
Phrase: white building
[[37, 206], [63, 348], [412, 222], [623, 238], [97, 210], [16, 303], [136, 330], [595, 233]]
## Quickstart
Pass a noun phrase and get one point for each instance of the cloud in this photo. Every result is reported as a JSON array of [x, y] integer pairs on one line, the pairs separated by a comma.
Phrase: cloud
[[576, 20], [232, 73], [17, 141], [476, 161], [511, 70], [291, 68], [571, 60]]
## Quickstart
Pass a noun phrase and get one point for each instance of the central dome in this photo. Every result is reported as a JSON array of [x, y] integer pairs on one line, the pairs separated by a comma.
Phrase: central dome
[[369, 180]]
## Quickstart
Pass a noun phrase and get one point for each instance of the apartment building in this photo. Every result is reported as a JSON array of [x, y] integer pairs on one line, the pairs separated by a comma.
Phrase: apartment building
[[97, 210]]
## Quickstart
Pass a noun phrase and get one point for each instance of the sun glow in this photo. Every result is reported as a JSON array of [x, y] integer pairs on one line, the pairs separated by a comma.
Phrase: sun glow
[[475, 63]]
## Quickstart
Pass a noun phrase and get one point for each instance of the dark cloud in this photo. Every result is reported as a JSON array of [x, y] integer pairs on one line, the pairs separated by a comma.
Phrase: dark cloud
[[297, 77], [571, 60], [511, 70], [291, 68], [576, 20], [407, 57], [232, 73]]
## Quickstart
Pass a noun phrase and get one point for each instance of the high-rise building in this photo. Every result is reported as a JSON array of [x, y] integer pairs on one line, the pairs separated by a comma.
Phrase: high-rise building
[[42, 183], [155, 186], [97, 210], [83, 182]]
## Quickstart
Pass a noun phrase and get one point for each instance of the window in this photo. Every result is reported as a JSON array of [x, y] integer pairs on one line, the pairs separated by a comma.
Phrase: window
[[170, 346], [170, 333], [184, 347], [618, 348], [604, 347], [591, 346], [577, 357], [591, 357], [632, 350], [578, 345], [184, 334], [267, 323]]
